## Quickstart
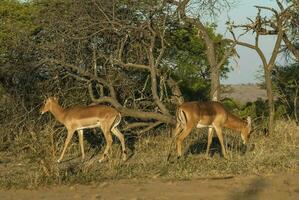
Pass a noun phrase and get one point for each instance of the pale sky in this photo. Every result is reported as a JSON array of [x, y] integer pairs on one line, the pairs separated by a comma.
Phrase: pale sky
[[249, 62]]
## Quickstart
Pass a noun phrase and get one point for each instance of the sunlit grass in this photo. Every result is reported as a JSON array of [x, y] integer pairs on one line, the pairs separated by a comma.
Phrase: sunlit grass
[[32, 161]]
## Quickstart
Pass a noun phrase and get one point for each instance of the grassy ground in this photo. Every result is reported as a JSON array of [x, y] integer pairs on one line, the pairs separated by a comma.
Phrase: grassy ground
[[29, 161]]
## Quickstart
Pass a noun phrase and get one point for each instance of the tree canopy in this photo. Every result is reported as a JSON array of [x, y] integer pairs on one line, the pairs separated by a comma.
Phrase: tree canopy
[[135, 55]]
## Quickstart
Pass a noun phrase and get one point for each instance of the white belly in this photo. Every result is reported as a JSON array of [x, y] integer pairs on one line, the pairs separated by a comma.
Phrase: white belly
[[199, 125], [97, 124]]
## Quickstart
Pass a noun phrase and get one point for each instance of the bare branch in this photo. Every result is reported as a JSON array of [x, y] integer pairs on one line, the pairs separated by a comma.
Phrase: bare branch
[[154, 87], [275, 50], [270, 9], [280, 5], [102, 11], [80, 78], [122, 45], [163, 47], [136, 125], [150, 127], [226, 55], [139, 66]]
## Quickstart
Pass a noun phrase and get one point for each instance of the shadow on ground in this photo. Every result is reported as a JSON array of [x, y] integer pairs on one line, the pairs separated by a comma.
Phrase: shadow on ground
[[199, 146], [251, 192]]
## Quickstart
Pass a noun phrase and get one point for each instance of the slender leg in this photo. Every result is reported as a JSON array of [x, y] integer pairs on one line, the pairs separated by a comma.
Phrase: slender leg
[[210, 137], [108, 138], [220, 137], [181, 138], [68, 139], [80, 133], [121, 138], [175, 133]]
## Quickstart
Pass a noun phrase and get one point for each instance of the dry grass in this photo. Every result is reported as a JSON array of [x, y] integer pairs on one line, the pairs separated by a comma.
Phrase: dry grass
[[30, 160]]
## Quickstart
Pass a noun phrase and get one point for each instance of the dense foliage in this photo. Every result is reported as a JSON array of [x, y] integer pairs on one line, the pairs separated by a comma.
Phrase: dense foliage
[[287, 87], [39, 38]]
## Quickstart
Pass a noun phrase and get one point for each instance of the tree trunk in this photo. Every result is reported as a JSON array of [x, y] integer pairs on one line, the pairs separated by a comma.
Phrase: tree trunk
[[214, 69], [215, 84], [270, 100], [211, 53]]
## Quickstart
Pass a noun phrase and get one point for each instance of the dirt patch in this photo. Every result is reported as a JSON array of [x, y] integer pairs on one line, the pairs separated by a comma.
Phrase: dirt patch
[[283, 186]]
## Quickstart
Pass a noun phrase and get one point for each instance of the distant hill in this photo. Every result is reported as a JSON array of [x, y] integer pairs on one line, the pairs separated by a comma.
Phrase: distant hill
[[244, 93]]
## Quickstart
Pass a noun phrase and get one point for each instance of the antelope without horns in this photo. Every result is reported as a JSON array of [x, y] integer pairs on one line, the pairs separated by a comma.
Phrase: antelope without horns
[[79, 117], [209, 114]]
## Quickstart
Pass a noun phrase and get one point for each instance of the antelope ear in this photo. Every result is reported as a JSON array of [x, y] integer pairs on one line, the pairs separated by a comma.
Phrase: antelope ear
[[44, 99], [249, 121]]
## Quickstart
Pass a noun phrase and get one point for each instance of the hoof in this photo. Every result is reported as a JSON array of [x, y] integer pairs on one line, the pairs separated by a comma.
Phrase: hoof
[[125, 157], [207, 155], [104, 158], [83, 158]]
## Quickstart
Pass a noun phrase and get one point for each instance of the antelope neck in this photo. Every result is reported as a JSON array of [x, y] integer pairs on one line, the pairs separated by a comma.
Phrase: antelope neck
[[235, 123], [57, 111]]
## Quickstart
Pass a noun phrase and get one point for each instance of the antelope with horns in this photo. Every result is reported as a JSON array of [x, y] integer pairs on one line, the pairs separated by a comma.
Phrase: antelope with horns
[[209, 114], [78, 118]]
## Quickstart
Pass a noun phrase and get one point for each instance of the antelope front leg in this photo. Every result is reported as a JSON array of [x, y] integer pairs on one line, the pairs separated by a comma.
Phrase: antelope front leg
[[68, 139], [80, 133], [220, 137], [210, 137]]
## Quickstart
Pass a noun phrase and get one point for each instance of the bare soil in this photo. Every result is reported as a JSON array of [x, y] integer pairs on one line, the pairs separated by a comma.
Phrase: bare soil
[[282, 186]]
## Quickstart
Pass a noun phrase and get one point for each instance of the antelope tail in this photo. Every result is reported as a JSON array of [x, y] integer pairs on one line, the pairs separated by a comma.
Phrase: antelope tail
[[116, 121], [181, 121]]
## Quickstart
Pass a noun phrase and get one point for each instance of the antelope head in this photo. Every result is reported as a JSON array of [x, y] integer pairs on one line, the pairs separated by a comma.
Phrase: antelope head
[[245, 133], [48, 104]]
